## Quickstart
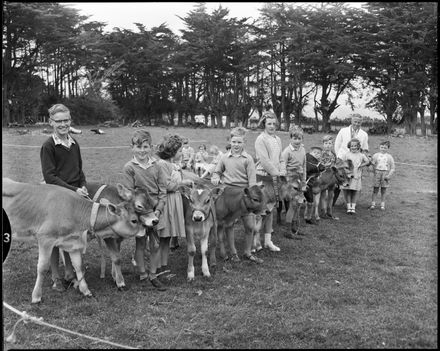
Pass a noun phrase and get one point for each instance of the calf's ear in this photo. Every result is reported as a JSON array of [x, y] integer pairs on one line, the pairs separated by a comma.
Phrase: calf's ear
[[216, 192], [184, 190], [113, 209], [125, 193]]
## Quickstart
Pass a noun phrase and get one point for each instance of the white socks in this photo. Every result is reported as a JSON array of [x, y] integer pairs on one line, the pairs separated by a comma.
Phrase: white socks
[[269, 244]]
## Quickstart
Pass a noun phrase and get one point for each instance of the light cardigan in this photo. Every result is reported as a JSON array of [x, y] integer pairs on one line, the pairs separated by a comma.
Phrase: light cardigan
[[268, 150], [344, 136]]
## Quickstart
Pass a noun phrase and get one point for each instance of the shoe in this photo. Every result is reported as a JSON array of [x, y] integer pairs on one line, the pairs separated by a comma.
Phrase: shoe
[[382, 208], [58, 285], [272, 247], [353, 211], [252, 258], [372, 207], [157, 284], [235, 258], [329, 216], [311, 221], [292, 236], [143, 276]]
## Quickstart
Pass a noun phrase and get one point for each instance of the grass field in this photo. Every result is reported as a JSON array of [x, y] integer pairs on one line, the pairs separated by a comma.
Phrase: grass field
[[365, 281]]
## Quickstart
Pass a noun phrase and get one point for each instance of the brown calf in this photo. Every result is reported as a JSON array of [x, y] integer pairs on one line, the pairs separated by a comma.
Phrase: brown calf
[[234, 203], [144, 206], [339, 174], [57, 216], [200, 225]]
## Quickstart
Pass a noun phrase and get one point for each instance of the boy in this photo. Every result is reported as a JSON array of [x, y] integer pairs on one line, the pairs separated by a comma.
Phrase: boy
[[313, 168], [328, 159], [384, 168], [294, 156], [61, 164], [236, 168], [143, 170], [187, 158]]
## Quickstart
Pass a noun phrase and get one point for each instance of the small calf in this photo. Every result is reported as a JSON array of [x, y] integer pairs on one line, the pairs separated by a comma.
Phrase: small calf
[[57, 216], [200, 224]]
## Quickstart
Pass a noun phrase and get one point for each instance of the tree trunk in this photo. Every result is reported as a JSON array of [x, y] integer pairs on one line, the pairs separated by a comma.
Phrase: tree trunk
[[410, 116], [421, 111], [389, 123]]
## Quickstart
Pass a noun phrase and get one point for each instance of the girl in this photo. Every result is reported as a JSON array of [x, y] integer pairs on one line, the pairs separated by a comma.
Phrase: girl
[[172, 222], [358, 160], [268, 150]]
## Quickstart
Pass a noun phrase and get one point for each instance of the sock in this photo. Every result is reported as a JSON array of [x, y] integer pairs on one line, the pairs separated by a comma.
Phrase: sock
[[373, 203]]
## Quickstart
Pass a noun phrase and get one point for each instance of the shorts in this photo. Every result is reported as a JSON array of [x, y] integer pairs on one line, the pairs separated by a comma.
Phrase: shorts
[[379, 181]]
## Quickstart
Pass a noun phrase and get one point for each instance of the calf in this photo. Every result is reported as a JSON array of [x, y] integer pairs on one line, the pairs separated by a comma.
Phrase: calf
[[339, 174], [57, 216], [200, 224], [276, 190], [144, 206], [234, 203]]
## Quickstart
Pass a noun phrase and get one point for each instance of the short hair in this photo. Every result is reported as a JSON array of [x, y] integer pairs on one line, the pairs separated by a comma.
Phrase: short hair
[[268, 115], [327, 137], [354, 140], [316, 148], [238, 132], [202, 146], [213, 149], [169, 146], [140, 136], [386, 143], [57, 108], [296, 131]]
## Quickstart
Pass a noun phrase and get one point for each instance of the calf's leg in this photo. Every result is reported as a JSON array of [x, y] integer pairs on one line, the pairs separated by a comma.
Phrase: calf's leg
[[75, 256], [44, 254], [191, 249], [204, 250]]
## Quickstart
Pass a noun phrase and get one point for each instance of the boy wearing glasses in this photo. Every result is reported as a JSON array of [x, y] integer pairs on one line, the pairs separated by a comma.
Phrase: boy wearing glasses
[[61, 165]]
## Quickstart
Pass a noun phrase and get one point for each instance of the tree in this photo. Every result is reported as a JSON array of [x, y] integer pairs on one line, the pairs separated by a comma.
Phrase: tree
[[404, 54]]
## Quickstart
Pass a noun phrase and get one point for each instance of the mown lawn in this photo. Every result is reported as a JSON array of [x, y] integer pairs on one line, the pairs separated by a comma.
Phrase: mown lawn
[[365, 281]]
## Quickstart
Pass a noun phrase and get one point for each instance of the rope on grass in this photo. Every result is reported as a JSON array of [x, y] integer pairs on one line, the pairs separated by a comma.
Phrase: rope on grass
[[28, 318]]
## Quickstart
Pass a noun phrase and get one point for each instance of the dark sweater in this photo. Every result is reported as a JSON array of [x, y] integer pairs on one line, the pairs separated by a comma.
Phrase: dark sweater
[[62, 166]]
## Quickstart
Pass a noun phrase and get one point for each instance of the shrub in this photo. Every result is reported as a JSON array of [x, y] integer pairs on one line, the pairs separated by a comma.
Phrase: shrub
[[86, 110]]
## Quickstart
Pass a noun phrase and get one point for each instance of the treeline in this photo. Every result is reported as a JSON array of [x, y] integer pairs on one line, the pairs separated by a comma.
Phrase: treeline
[[223, 66]]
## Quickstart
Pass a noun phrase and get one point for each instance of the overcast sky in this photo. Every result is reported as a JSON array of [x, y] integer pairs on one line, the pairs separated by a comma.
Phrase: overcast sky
[[152, 14]]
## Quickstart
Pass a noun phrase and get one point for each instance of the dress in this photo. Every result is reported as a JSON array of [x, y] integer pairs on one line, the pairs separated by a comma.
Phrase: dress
[[172, 221], [357, 159]]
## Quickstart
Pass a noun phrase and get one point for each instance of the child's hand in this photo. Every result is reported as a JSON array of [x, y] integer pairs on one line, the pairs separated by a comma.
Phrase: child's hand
[[187, 182], [82, 191], [215, 179]]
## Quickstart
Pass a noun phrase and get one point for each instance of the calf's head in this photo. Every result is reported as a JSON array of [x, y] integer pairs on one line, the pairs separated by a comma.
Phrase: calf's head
[[343, 171], [254, 198], [291, 190], [127, 222], [143, 203], [200, 200]]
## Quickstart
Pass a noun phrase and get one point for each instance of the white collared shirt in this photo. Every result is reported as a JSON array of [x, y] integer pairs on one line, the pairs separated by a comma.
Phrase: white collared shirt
[[67, 143], [150, 162]]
